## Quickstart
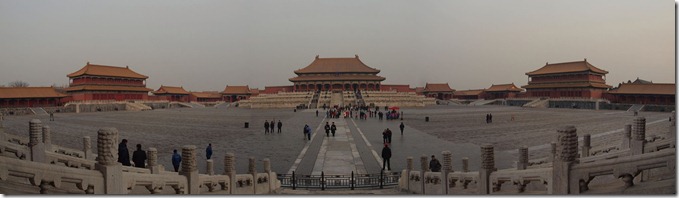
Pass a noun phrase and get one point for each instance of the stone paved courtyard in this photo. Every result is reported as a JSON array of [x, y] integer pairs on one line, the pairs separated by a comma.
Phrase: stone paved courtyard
[[460, 129]]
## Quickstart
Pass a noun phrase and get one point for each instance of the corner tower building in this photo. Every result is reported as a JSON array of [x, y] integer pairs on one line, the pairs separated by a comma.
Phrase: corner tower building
[[101, 82], [339, 74]]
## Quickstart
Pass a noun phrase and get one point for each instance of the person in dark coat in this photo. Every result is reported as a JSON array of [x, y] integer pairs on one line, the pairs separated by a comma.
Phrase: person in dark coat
[[490, 118], [386, 155], [307, 131], [402, 127], [333, 128], [266, 126], [208, 151], [434, 164], [388, 136], [280, 125], [327, 129], [176, 160], [272, 125], [316, 113], [123, 153], [139, 157], [384, 136]]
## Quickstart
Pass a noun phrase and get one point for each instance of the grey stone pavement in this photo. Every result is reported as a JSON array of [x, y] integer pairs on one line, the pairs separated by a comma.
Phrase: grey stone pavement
[[415, 143], [358, 144]]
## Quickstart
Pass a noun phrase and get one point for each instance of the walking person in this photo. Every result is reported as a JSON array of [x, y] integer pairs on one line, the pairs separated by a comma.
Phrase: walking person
[[280, 125], [401, 127], [266, 126], [316, 112], [434, 164], [386, 155], [139, 157], [208, 151], [333, 128], [123, 153], [487, 118], [307, 131], [327, 129], [51, 116], [490, 117]]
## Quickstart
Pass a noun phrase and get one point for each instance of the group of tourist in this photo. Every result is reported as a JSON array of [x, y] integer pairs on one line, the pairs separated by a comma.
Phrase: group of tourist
[[386, 136], [489, 118], [138, 157], [269, 126], [329, 128]]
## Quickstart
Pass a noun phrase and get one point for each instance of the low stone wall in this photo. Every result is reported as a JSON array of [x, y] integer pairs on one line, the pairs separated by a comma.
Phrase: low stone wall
[[659, 108], [158, 105], [83, 108], [614, 106], [518, 103], [16, 111], [572, 104]]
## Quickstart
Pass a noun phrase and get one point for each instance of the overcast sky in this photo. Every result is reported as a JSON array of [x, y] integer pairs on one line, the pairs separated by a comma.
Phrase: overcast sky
[[206, 45]]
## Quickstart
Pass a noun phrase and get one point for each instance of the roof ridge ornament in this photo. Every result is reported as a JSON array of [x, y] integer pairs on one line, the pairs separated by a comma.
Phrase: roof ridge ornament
[[356, 56], [316, 56]]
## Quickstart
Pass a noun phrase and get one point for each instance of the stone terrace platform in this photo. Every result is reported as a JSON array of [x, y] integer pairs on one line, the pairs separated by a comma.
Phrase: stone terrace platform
[[357, 144]]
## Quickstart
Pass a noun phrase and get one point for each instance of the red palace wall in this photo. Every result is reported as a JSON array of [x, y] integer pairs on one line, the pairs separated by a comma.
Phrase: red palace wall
[[31, 102], [397, 88], [566, 93], [105, 96]]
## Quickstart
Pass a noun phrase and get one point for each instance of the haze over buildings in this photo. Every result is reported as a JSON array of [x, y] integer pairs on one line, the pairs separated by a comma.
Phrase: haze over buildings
[[205, 45]]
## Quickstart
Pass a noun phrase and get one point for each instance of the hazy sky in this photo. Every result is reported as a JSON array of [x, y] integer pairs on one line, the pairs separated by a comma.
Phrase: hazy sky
[[206, 45]]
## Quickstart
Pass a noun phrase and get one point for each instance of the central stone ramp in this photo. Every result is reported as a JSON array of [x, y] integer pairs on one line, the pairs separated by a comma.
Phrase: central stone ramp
[[338, 155], [337, 99]]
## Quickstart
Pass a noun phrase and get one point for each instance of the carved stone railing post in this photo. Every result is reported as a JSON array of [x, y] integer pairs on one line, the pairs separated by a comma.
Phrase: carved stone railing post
[[409, 167], [627, 136], [424, 165], [267, 170], [34, 132], [447, 168], [552, 146], [47, 137], [152, 154], [252, 168], [3, 138], [586, 145], [35, 141], [107, 161], [190, 169], [87, 148], [638, 136], [522, 164], [230, 170], [673, 121], [487, 167], [566, 153], [465, 164], [210, 167]]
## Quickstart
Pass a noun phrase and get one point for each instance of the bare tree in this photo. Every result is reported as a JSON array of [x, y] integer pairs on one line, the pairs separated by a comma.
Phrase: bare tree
[[18, 83]]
